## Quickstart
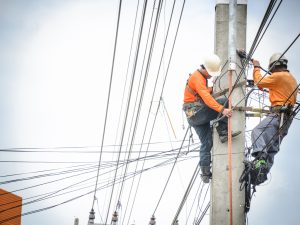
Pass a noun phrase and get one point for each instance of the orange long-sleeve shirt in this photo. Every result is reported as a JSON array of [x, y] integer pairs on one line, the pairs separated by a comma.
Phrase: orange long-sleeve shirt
[[281, 86], [198, 84]]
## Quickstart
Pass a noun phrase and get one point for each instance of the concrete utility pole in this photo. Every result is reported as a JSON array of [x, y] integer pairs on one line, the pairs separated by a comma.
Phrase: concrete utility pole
[[227, 201]]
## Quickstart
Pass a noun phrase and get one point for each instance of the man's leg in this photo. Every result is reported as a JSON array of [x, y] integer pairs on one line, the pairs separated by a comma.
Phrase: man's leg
[[265, 141], [263, 136], [277, 137], [205, 135]]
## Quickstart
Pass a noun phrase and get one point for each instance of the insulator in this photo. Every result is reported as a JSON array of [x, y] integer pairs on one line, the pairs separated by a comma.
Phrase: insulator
[[152, 220], [91, 216], [115, 217], [76, 221]]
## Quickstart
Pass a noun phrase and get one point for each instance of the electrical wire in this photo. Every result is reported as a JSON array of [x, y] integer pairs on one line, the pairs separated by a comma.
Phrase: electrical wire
[[168, 179], [143, 136], [187, 192], [69, 200], [108, 99], [143, 87]]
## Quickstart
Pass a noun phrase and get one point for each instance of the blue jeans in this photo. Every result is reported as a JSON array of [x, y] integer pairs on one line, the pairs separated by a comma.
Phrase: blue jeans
[[265, 136], [201, 123]]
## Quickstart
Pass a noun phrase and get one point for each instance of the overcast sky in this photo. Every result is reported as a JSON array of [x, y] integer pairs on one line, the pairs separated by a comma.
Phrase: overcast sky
[[55, 64]]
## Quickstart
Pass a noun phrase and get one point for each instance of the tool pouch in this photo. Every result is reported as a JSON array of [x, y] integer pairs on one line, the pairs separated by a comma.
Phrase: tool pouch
[[191, 109]]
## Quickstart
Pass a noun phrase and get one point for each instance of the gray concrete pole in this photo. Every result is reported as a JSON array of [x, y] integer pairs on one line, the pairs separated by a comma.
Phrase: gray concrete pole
[[227, 201]]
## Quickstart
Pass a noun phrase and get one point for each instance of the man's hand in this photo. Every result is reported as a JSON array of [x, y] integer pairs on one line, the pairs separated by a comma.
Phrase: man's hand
[[227, 112], [255, 63]]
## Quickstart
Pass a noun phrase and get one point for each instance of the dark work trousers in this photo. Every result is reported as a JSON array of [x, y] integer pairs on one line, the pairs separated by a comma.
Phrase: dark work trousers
[[201, 123], [266, 136]]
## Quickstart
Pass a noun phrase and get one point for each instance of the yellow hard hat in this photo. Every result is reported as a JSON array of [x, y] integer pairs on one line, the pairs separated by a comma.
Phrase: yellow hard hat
[[212, 64]]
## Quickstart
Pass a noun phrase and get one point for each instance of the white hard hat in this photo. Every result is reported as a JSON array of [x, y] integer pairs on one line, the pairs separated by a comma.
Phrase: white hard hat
[[212, 64], [276, 60]]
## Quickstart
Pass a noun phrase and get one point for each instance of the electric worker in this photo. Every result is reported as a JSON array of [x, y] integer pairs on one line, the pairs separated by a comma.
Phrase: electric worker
[[201, 108], [268, 134]]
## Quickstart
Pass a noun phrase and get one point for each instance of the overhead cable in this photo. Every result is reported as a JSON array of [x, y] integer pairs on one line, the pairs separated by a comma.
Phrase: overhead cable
[[108, 99]]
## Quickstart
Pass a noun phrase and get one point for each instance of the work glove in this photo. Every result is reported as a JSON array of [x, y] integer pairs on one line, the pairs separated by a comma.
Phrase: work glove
[[255, 63]]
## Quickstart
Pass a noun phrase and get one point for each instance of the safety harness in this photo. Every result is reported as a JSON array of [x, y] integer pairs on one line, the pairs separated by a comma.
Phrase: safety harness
[[191, 108]]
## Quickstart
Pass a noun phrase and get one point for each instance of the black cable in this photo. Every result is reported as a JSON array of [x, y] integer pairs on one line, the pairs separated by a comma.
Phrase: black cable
[[264, 20], [168, 179], [151, 132], [128, 100], [48, 149], [203, 213], [258, 42], [143, 86], [108, 98], [200, 188], [187, 192], [69, 200], [168, 66], [267, 14], [39, 171]]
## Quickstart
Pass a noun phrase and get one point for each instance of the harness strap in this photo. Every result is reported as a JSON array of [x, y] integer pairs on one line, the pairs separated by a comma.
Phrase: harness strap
[[197, 96]]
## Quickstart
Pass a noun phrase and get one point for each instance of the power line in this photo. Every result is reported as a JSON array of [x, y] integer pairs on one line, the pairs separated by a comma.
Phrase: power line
[[143, 87], [108, 98], [74, 198], [128, 102]]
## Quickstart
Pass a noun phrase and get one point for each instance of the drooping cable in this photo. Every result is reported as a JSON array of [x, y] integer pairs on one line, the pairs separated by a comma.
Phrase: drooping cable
[[72, 199]]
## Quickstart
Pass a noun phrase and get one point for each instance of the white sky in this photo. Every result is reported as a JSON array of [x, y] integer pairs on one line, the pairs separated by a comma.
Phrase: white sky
[[55, 63]]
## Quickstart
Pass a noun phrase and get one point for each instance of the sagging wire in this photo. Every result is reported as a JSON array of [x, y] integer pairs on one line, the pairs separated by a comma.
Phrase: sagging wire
[[46, 208]]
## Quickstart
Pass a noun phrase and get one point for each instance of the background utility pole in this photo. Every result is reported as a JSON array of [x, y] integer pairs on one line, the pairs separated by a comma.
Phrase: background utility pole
[[230, 34]]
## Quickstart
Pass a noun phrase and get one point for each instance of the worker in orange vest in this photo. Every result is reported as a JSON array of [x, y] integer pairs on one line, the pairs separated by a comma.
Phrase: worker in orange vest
[[268, 134], [201, 108]]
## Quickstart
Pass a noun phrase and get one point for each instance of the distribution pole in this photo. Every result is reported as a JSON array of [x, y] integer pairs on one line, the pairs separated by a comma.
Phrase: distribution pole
[[227, 201]]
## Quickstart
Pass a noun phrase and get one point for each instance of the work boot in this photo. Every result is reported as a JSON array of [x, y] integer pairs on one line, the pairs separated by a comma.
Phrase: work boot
[[206, 174], [224, 136], [260, 172]]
